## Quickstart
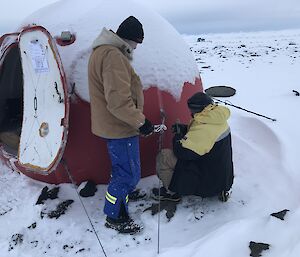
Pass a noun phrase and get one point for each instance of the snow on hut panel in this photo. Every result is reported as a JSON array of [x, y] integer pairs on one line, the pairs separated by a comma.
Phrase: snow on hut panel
[[163, 59], [44, 102]]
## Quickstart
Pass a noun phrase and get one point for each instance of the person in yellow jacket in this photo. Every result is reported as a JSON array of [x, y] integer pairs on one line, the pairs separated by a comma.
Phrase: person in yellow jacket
[[116, 96], [201, 160]]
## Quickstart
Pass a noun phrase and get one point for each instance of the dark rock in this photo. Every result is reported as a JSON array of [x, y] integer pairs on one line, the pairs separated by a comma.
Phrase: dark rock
[[59, 232], [32, 226], [6, 210], [280, 215], [80, 250], [296, 92], [254, 55], [43, 196], [169, 206], [34, 243], [16, 239], [47, 194], [60, 210], [200, 39], [67, 248], [52, 194], [257, 248]]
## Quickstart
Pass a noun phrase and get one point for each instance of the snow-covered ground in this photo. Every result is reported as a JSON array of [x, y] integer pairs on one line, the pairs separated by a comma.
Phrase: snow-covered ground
[[264, 69]]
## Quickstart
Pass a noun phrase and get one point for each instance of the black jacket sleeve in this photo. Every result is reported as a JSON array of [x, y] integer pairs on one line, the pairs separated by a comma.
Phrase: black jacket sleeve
[[181, 152]]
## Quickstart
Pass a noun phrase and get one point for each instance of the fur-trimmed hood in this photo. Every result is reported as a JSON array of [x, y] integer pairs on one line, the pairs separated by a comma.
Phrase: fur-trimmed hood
[[108, 37]]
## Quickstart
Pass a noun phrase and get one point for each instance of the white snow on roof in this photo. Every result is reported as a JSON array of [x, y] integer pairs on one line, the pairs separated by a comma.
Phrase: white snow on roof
[[164, 59]]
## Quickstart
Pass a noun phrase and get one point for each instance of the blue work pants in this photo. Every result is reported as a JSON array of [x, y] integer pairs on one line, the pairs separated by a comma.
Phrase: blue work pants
[[126, 172]]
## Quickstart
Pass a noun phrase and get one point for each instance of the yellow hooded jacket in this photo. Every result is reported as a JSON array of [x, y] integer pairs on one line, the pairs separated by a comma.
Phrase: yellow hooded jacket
[[206, 128]]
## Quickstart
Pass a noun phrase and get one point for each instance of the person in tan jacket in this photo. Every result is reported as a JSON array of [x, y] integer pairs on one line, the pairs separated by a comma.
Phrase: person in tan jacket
[[116, 97]]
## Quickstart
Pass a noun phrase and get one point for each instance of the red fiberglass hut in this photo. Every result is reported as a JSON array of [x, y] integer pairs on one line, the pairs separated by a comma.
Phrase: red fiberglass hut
[[44, 100]]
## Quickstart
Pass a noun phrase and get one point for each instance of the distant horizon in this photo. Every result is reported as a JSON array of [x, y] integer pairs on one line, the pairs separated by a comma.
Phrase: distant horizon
[[192, 17], [250, 30]]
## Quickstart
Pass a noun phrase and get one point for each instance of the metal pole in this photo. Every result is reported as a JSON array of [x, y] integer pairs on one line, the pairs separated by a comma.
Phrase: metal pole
[[238, 107], [160, 145]]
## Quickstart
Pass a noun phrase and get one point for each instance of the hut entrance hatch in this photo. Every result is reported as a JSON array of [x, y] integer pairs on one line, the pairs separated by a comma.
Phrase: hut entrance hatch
[[45, 102]]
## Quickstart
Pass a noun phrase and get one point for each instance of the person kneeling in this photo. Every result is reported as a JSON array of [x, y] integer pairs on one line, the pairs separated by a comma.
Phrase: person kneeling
[[201, 160]]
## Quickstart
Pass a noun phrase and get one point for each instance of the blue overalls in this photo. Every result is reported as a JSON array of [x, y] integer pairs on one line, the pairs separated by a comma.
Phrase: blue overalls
[[126, 172]]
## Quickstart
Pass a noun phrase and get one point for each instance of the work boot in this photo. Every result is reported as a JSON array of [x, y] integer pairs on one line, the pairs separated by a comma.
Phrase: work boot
[[123, 226], [224, 196], [89, 189], [165, 195]]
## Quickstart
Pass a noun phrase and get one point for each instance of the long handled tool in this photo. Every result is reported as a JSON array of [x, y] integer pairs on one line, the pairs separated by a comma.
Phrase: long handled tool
[[240, 108]]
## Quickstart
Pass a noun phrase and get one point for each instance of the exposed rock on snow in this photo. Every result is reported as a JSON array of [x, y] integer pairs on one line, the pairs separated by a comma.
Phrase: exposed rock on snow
[[47, 194], [168, 206], [16, 239], [60, 210], [280, 215], [257, 248]]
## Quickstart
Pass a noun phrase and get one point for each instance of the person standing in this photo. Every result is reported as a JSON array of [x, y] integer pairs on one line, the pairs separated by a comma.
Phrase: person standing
[[116, 97]]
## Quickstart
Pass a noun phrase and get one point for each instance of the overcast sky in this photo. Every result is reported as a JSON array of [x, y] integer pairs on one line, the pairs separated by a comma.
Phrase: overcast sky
[[190, 16]]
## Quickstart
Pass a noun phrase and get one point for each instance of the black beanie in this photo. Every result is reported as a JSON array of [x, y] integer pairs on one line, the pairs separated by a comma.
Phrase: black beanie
[[131, 29], [198, 102]]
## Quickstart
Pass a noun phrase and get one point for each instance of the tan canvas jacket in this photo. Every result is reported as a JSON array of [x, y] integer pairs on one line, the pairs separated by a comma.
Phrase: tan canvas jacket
[[116, 93]]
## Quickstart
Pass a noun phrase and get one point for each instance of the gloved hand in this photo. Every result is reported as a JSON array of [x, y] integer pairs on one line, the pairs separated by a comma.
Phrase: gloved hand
[[147, 128], [179, 128]]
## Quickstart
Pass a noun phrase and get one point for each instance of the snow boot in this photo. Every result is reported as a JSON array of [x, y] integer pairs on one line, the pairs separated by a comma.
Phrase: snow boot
[[165, 195], [89, 189], [224, 196], [123, 226]]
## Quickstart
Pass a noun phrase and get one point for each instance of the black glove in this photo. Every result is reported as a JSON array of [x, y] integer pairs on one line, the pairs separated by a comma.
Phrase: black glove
[[179, 128], [147, 129]]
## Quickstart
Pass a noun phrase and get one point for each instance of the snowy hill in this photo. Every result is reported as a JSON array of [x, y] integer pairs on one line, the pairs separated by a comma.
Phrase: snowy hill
[[264, 69]]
